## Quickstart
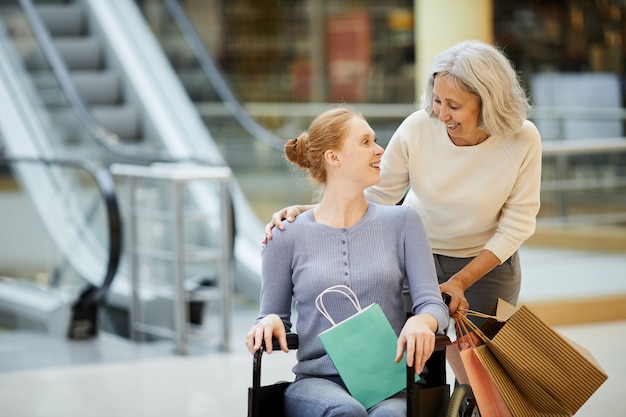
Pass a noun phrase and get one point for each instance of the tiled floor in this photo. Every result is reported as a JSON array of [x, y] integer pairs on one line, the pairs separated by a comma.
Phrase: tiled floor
[[46, 378]]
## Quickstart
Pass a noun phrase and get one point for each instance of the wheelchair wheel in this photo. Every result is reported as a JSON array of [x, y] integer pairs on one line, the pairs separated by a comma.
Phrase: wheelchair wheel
[[462, 403]]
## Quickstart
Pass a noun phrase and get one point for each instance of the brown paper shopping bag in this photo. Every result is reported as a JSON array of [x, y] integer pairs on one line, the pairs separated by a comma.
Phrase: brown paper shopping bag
[[453, 356], [468, 369], [538, 371]]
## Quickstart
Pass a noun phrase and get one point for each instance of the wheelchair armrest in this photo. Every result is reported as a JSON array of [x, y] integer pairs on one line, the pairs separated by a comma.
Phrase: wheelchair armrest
[[435, 365], [432, 394], [441, 341], [292, 342]]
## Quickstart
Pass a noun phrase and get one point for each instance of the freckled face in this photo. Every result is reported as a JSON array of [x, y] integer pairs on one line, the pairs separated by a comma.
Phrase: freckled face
[[459, 110]]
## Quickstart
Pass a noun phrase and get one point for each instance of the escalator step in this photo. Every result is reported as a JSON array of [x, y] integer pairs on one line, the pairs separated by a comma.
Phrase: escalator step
[[124, 121], [98, 87], [81, 53], [63, 19]]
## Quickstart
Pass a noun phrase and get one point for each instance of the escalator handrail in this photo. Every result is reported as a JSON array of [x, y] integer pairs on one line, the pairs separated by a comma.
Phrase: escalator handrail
[[108, 140], [105, 182], [212, 72]]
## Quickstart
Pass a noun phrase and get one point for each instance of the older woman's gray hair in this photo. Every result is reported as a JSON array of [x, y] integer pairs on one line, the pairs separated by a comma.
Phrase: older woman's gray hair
[[482, 70]]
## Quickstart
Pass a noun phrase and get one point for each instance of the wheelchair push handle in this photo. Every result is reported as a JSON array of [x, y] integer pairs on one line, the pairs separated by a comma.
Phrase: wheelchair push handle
[[446, 298]]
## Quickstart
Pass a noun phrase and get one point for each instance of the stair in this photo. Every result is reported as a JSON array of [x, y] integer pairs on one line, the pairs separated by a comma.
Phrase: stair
[[95, 77]]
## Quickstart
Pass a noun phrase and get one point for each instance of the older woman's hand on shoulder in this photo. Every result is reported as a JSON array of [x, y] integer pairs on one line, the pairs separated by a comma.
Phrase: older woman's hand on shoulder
[[288, 213]]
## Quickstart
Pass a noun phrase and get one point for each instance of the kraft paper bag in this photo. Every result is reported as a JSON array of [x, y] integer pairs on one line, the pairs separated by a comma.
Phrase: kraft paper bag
[[538, 371], [453, 356], [363, 349], [469, 369]]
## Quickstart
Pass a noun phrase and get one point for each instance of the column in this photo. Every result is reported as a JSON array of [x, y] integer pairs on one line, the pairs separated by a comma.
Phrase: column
[[441, 24]]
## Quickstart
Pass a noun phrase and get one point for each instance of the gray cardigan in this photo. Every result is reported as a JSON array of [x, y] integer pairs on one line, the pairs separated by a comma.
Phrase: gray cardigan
[[372, 257]]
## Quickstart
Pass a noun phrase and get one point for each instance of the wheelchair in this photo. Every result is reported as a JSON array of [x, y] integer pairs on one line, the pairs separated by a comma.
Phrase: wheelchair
[[429, 397]]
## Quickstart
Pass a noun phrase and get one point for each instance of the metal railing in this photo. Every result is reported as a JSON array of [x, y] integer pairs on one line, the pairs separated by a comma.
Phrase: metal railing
[[84, 320], [180, 250], [559, 177]]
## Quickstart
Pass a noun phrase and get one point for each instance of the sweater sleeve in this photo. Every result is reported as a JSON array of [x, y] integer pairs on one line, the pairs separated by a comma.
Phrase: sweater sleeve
[[518, 216], [421, 274], [276, 283], [394, 172]]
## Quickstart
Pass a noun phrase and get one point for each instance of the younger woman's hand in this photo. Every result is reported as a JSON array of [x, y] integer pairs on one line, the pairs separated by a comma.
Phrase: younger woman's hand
[[417, 338], [268, 328]]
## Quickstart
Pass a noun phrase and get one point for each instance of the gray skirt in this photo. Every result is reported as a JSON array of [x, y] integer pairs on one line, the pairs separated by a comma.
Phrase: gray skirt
[[504, 281]]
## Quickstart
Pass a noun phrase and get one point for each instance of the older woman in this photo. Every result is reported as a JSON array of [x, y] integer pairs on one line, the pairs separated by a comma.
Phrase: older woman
[[470, 163]]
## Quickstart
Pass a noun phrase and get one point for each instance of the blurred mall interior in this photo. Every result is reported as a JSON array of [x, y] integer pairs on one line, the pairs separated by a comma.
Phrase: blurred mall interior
[[141, 154]]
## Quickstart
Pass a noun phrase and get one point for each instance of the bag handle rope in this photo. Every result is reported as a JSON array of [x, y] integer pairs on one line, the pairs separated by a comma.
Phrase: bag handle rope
[[461, 329], [339, 289], [479, 314], [461, 316]]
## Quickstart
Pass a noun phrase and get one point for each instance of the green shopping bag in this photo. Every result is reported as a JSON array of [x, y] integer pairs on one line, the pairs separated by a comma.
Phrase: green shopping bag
[[363, 349]]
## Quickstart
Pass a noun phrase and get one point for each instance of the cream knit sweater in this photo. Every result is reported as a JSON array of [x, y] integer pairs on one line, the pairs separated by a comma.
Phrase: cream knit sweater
[[469, 197]]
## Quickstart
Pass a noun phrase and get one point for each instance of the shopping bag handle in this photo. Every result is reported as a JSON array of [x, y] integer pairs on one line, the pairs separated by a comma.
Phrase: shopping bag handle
[[470, 324], [461, 329], [465, 327], [339, 289], [479, 314]]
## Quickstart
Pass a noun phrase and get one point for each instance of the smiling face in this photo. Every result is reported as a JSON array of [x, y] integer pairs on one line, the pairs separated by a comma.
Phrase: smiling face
[[459, 110], [360, 154]]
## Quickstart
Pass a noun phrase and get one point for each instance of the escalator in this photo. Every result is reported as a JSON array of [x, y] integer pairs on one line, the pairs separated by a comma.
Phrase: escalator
[[61, 241], [60, 259], [103, 90], [253, 151]]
